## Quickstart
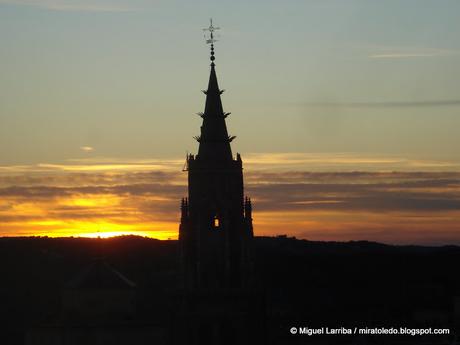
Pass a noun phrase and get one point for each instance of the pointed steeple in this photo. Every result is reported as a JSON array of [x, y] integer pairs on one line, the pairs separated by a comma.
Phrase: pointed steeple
[[215, 233], [214, 139]]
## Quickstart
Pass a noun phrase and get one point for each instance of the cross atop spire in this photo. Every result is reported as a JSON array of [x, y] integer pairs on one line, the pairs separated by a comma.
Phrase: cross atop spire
[[210, 39]]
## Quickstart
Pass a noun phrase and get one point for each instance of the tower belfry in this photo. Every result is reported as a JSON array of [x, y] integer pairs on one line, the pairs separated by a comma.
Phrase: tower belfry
[[216, 223]]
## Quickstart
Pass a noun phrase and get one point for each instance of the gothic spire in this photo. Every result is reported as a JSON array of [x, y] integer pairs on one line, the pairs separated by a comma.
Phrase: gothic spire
[[214, 139]]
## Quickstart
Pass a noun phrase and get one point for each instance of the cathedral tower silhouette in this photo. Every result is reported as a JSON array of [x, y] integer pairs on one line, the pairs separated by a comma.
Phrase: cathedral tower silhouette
[[216, 224]]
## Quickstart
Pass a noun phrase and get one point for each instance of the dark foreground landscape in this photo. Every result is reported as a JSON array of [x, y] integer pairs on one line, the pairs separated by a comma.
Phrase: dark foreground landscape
[[303, 284]]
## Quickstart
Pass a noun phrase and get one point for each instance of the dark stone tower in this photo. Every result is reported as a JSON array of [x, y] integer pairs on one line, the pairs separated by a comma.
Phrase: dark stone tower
[[216, 224]]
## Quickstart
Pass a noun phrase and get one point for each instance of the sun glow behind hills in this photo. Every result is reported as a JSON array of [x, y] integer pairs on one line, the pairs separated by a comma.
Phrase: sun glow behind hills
[[339, 196], [84, 215]]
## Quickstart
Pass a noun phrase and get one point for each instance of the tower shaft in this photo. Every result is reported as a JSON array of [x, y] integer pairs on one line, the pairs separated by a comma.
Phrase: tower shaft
[[216, 224]]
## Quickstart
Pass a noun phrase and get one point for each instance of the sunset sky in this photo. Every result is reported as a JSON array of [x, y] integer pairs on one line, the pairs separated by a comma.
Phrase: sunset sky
[[347, 115]]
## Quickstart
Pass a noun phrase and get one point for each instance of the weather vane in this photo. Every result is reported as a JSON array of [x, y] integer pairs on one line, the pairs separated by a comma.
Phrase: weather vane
[[211, 39]]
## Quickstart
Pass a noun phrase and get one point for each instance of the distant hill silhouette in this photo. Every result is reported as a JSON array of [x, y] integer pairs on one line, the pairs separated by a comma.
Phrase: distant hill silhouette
[[305, 282]]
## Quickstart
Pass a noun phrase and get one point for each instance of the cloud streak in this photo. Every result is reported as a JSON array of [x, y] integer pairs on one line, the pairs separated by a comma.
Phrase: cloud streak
[[384, 52], [389, 104], [403, 55], [87, 148], [346, 161], [73, 5]]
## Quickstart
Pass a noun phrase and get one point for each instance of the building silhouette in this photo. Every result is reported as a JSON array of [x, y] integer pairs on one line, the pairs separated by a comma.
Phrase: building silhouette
[[219, 302], [216, 223], [98, 306]]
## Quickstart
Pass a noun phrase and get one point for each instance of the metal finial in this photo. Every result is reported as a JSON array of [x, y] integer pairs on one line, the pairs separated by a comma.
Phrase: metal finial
[[210, 39]]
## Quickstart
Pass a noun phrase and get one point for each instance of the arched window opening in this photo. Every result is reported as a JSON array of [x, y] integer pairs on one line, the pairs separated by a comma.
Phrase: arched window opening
[[216, 222]]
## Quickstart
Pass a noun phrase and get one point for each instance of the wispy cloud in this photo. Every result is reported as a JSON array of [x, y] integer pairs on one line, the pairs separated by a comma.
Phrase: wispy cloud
[[402, 55], [343, 161], [384, 52], [389, 104], [286, 161], [383, 195], [87, 148], [95, 164], [75, 5]]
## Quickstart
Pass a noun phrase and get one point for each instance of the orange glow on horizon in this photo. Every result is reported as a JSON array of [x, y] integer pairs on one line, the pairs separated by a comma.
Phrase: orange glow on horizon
[[100, 199]]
